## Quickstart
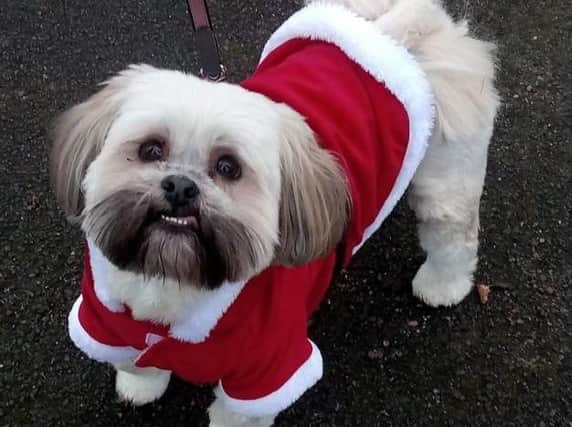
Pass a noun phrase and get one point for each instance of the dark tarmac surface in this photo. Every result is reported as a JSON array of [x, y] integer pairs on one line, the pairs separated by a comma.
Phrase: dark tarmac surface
[[388, 359]]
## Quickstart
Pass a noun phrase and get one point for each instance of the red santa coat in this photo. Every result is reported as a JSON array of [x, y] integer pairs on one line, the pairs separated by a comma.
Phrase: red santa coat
[[368, 103]]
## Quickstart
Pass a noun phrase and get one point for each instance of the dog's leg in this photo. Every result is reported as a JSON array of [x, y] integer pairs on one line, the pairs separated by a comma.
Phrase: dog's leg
[[221, 416], [140, 385], [447, 187], [445, 196]]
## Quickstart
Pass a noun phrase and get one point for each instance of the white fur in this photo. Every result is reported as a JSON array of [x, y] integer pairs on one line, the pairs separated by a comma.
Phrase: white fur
[[446, 188], [191, 312], [140, 386], [221, 416], [101, 271], [155, 299]]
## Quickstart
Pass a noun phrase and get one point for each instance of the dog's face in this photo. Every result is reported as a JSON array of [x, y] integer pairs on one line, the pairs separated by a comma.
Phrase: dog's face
[[172, 176]]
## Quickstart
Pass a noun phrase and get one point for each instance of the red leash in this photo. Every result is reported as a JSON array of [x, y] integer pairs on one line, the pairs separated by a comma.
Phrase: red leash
[[209, 56]]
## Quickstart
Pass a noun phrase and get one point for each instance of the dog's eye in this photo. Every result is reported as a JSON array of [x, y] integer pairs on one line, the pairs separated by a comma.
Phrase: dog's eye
[[228, 167], [152, 150]]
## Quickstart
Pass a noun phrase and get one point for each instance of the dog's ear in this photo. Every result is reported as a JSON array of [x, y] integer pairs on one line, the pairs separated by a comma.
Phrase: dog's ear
[[78, 135], [314, 205]]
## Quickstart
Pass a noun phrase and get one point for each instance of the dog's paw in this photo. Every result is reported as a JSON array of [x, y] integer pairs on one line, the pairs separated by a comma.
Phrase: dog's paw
[[141, 388], [252, 422], [221, 416], [436, 289]]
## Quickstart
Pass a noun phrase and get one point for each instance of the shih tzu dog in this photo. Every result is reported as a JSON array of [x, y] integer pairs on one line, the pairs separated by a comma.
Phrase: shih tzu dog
[[215, 214]]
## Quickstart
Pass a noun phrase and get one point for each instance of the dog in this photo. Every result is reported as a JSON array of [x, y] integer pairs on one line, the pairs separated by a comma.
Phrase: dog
[[217, 214]]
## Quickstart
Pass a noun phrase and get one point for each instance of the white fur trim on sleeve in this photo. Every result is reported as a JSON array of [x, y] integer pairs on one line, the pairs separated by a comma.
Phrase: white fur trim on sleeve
[[91, 347], [305, 377], [387, 62]]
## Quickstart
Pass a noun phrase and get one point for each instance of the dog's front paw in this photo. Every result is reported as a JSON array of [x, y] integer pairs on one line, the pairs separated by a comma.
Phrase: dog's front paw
[[141, 387], [221, 416], [437, 288]]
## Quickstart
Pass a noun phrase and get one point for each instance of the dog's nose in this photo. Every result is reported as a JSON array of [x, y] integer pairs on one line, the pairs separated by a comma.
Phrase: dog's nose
[[179, 190]]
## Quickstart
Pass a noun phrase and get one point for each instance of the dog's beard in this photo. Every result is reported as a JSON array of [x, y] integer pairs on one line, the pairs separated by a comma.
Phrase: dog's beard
[[128, 228]]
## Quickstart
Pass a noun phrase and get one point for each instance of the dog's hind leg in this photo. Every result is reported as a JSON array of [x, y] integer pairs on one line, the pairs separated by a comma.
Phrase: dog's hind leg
[[447, 187], [445, 196]]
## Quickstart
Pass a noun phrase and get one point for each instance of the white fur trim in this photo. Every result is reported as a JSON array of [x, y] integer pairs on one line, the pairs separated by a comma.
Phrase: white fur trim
[[93, 348], [387, 62], [99, 271], [203, 314], [198, 319], [305, 377]]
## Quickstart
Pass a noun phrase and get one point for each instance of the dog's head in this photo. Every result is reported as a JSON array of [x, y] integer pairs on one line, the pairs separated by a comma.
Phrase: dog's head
[[176, 177]]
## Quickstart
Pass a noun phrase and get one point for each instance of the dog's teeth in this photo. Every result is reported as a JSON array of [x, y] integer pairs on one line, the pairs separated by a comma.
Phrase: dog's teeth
[[191, 220]]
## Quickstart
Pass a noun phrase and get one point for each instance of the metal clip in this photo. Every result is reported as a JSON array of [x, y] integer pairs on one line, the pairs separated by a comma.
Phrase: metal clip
[[219, 77]]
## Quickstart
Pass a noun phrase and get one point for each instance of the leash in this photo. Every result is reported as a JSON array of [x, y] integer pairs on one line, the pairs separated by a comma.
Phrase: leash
[[212, 68]]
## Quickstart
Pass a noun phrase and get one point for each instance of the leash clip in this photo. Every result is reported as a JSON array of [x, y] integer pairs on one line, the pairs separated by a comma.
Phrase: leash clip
[[218, 77], [212, 68]]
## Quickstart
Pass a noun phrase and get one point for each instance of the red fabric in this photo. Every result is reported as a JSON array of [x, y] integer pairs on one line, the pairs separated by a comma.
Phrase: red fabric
[[262, 339], [353, 115]]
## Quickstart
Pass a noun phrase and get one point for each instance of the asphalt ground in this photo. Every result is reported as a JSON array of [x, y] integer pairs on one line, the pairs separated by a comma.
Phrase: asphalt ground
[[389, 360]]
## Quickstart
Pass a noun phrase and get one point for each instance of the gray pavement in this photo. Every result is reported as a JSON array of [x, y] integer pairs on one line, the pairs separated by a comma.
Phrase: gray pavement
[[388, 359]]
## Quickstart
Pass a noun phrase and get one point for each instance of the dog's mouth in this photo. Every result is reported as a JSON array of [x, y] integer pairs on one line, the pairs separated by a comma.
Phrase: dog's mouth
[[193, 244], [180, 220]]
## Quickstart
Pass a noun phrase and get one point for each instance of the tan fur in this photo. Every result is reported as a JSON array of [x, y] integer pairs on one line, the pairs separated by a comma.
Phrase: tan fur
[[365, 8], [314, 206], [78, 135], [460, 68]]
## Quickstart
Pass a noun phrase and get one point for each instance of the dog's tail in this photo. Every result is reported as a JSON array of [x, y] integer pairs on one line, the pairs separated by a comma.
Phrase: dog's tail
[[460, 68]]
